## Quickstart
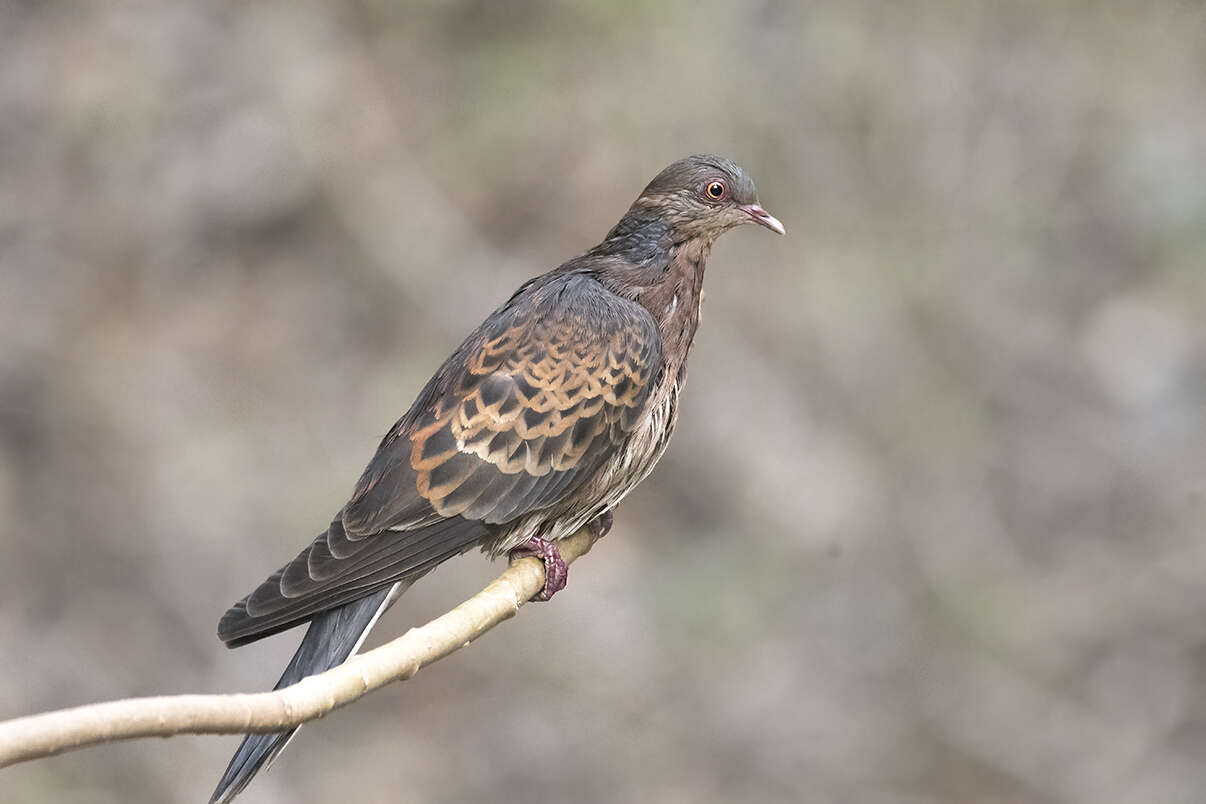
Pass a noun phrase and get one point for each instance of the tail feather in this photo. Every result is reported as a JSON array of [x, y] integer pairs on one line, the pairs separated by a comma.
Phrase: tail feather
[[332, 637]]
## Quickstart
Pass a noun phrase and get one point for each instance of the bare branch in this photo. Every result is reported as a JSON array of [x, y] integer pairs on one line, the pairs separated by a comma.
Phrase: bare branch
[[313, 697]]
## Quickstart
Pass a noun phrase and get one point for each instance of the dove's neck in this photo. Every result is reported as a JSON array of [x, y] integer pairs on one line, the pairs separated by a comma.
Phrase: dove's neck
[[647, 260], [674, 301], [643, 237], [670, 287]]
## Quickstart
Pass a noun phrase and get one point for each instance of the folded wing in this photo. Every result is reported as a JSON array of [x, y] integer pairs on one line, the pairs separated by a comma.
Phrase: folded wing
[[521, 416]]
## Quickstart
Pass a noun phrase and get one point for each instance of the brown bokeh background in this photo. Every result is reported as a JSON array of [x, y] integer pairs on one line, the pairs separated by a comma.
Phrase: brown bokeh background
[[931, 529]]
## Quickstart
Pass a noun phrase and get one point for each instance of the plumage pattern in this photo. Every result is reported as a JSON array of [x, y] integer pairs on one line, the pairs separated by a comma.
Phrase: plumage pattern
[[543, 419], [521, 414]]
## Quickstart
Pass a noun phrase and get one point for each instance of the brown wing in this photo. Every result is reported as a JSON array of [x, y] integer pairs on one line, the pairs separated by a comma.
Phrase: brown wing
[[528, 409], [524, 413]]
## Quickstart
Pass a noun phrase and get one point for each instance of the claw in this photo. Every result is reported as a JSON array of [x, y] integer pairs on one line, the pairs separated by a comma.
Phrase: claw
[[556, 571]]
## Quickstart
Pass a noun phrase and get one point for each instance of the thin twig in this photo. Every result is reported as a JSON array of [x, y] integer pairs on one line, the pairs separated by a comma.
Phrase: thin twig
[[313, 697]]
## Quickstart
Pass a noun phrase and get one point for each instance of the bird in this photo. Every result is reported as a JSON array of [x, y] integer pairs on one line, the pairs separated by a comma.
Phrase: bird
[[538, 424]]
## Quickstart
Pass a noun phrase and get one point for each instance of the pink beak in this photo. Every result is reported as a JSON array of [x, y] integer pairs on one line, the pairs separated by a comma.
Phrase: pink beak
[[763, 218]]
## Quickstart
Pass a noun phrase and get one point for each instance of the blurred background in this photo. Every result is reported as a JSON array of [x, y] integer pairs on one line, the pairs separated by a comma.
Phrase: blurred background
[[931, 529]]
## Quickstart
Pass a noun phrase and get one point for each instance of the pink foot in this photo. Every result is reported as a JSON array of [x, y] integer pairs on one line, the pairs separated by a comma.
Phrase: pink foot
[[556, 572]]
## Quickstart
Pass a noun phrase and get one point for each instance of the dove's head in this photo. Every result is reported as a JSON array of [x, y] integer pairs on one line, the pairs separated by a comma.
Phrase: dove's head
[[703, 196], [696, 199]]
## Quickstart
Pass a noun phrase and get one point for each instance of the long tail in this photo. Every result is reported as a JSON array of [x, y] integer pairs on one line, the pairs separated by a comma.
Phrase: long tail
[[331, 638]]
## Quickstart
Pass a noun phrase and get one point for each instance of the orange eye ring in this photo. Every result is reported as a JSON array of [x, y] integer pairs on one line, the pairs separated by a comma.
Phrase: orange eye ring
[[715, 190]]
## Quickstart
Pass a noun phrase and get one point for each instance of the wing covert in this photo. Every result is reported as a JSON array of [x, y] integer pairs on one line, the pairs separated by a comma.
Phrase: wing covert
[[526, 410]]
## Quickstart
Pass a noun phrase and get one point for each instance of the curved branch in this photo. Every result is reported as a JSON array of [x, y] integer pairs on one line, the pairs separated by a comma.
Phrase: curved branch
[[313, 697]]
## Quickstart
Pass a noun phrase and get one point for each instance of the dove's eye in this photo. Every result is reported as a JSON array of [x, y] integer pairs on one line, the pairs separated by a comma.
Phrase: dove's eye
[[715, 190]]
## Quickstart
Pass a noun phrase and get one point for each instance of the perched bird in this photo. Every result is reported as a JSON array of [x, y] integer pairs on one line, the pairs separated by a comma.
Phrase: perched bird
[[539, 423]]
